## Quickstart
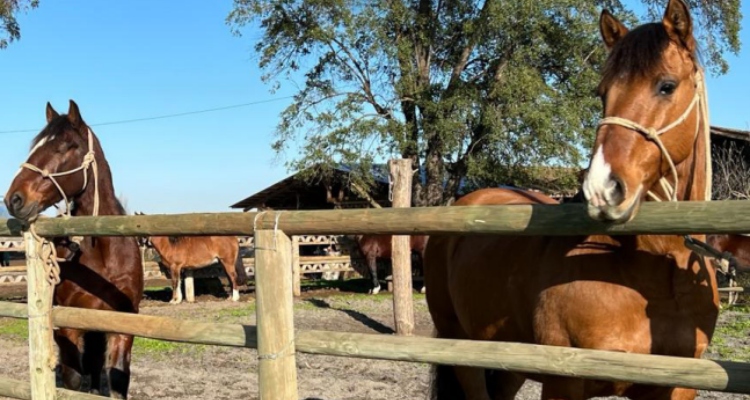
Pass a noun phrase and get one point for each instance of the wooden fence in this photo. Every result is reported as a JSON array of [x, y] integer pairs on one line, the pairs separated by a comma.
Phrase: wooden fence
[[275, 337]]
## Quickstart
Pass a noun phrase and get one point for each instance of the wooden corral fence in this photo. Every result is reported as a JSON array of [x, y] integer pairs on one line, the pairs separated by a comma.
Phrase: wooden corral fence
[[13, 279], [278, 342]]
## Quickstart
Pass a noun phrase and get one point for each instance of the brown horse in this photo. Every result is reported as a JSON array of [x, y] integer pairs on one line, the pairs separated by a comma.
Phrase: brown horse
[[374, 247], [635, 294], [737, 245], [193, 252], [67, 163]]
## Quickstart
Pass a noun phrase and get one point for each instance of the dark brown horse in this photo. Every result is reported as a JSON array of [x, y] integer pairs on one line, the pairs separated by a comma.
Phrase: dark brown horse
[[67, 163], [374, 247], [193, 252], [634, 294], [737, 245]]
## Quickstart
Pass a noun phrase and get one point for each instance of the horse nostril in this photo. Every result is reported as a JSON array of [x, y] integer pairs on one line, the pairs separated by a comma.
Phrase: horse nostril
[[618, 190], [16, 201]]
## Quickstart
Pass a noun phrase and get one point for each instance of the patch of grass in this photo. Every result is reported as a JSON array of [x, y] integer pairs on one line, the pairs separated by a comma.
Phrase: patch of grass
[[146, 346], [730, 338], [16, 328], [239, 312]]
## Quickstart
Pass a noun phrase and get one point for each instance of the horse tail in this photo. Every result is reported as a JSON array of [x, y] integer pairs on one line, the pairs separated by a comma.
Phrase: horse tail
[[240, 268], [443, 384]]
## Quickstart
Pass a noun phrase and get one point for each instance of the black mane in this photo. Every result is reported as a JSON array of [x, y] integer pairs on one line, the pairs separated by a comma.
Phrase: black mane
[[55, 127]]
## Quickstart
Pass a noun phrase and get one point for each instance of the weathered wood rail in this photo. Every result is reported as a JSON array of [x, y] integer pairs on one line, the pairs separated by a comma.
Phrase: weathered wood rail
[[277, 340]]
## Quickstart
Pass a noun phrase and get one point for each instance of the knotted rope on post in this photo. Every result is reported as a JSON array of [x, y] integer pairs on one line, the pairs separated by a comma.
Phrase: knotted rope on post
[[48, 254]]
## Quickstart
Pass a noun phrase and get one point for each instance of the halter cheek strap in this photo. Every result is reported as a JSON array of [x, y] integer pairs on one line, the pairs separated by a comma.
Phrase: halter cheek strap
[[88, 161]]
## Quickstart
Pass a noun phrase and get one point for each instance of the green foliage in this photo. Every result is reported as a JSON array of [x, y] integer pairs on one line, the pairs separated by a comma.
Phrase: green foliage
[[472, 91], [9, 29]]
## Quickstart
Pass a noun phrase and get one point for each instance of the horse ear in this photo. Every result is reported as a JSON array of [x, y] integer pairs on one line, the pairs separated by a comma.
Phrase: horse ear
[[611, 29], [51, 113], [74, 115], [678, 23]]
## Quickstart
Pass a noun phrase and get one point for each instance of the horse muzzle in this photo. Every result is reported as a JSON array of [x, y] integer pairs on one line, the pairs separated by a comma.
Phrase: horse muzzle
[[20, 208]]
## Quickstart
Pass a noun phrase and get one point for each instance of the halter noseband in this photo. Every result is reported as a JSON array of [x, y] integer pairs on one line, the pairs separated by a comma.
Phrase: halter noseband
[[654, 135], [88, 160]]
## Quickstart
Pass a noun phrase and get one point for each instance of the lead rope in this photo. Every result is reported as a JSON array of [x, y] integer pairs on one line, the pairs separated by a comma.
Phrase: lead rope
[[670, 189], [48, 250]]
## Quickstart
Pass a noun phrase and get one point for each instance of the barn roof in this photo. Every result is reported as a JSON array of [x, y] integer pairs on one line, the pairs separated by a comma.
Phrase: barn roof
[[730, 133], [294, 193], [307, 195]]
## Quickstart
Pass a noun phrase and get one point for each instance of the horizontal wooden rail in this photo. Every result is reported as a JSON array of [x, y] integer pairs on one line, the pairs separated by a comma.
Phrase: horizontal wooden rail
[[565, 219], [594, 364], [22, 390], [149, 326], [564, 361]]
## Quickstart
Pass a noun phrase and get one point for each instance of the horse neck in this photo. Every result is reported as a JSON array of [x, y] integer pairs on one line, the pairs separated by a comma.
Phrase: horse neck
[[694, 175], [695, 172], [83, 203], [161, 243]]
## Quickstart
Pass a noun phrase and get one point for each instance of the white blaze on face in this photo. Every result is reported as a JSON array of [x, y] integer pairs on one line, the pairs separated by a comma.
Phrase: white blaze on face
[[598, 186], [36, 147]]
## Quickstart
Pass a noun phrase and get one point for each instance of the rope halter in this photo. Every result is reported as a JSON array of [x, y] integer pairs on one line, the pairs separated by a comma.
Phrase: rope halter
[[654, 135], [88, 161]]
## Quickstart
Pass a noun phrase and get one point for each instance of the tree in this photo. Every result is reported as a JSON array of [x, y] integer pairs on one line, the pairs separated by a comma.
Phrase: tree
[[471, 91], [9, 29], [731, 173]]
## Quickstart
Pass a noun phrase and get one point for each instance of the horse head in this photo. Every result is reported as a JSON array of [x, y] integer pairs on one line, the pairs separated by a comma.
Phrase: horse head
[[57, 167], [651, 91]]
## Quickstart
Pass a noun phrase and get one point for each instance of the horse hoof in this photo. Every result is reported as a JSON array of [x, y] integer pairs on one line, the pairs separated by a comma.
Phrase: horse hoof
[[175, 301], [375, 290], [424, 290]]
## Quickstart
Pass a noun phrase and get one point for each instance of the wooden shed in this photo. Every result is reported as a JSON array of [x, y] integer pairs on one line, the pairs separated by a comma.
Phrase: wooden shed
[[297, 193]]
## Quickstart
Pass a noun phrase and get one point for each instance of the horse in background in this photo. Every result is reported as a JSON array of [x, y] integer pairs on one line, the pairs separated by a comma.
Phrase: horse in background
[[646, 294], [66, 162], [179, 253], [375, 247]]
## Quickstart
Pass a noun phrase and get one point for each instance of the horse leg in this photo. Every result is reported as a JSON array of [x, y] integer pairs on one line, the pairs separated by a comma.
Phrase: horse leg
[[117, 364], [642, 392], [561, 388], [93, 359], [233, 279], [507, 385], [473, 382], [175, 271], [372, 262], [70, 343]]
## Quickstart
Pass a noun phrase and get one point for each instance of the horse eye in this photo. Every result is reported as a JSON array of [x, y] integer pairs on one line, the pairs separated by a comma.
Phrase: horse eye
[[667, 88]]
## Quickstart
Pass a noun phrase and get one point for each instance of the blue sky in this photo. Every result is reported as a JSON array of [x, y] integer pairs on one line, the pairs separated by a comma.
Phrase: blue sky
[[123, 60], [129, 59]]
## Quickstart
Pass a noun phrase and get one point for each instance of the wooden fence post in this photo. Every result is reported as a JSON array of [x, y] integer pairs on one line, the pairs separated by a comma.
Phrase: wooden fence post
[[42, 352], [296, 272], [277, 369], [189, 286], [403, 307]]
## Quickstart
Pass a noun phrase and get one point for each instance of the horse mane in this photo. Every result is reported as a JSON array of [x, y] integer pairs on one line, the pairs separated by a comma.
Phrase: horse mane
[[57, 125], [637, 55]]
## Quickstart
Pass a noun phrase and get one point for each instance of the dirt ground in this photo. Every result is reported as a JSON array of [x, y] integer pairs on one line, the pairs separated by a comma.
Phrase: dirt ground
[[165, 370]]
